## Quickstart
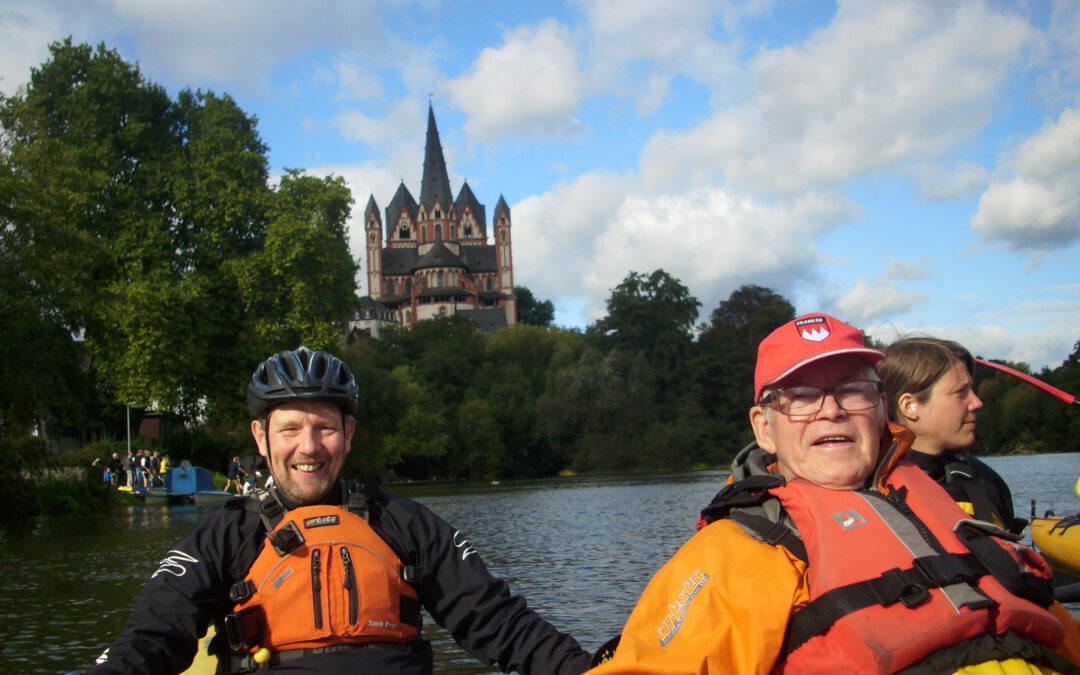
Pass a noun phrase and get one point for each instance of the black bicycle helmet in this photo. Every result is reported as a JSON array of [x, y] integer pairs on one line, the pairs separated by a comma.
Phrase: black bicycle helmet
[[301, 374]]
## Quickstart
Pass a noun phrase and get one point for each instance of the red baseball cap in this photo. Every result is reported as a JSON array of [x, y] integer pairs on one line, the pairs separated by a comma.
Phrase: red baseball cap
[[805, 340]]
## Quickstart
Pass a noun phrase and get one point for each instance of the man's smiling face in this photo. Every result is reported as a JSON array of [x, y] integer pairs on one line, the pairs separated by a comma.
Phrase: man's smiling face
[[834, 448], [305, 444]]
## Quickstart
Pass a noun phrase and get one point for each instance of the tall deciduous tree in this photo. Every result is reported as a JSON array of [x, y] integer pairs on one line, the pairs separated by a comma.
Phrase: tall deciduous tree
[[723, 368], [301, 285], [147, 227], [647, 312], [531, 311], [83, 147]]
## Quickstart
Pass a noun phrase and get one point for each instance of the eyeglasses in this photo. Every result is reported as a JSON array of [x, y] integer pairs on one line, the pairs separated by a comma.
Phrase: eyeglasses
[[805, 400]]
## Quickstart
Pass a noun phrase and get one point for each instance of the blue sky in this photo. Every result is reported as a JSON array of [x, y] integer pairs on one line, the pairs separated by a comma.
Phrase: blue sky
[[909, 166]]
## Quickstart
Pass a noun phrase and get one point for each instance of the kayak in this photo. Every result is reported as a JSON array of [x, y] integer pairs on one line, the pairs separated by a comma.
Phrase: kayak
[[204, 663], [1058, 541]]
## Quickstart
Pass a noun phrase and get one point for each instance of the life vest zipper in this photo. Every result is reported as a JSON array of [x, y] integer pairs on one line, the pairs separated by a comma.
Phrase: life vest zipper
[[316, 586], [350, 585], [904, 510]]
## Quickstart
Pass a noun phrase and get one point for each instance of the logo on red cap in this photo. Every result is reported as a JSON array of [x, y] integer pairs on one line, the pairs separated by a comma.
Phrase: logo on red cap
[[814, 333]]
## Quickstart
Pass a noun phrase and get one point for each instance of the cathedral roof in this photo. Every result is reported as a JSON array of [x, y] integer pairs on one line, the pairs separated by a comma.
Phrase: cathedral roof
[[437, 291], [398, 260], [403, 200], [501, 206], [480, 258], [435, 184], [466, 199], [487, 320], [371, 208], [439, 256]]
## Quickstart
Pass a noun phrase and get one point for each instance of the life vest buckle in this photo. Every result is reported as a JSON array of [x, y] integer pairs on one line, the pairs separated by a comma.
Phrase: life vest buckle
[[944, 570], [896, 584], [287, 539], [241, 591]]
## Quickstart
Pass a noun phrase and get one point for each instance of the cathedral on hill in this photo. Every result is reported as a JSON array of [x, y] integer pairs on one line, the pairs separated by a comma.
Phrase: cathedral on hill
[[433, 257]]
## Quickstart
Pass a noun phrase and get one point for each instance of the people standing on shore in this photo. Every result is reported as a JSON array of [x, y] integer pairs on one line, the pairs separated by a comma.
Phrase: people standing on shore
[[129, 469], [233, 474], [116, 468]]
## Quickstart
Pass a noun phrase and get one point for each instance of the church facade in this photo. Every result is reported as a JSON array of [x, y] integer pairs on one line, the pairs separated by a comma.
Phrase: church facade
[[432, 257]]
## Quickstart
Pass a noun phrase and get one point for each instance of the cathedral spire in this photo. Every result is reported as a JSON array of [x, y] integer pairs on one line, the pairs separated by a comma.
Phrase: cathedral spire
[[435, 185]]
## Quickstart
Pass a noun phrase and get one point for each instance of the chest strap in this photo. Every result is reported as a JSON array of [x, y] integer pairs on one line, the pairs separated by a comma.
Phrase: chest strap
[[909, 586]]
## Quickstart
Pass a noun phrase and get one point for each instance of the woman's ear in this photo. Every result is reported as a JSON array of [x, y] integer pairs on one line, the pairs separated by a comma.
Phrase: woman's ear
[[908, 407]]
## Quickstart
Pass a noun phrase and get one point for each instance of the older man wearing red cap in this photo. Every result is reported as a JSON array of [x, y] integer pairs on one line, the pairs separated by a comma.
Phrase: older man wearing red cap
[[828, 552]]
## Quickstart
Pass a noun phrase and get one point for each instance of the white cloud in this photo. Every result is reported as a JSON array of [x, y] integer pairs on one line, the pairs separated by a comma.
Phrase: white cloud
[[866, 302], [957, 180], [530, 85], [358, 82], [884, 84], [638, 47], [1038, 206], [629, 30], [1038, 348], [906, 269], [583, 238], [26, 30]]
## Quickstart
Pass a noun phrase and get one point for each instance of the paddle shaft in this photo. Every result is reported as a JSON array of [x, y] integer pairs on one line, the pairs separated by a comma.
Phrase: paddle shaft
[[1049, 389]]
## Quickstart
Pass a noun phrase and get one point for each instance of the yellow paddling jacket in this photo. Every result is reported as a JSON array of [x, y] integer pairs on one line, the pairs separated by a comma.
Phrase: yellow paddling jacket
[[726, 602]]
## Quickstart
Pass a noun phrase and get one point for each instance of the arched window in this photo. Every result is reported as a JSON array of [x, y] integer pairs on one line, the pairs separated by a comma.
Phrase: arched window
[[442, 280], [408, 285], [423, 233], [489, 284], [404, 234], [438, 231]]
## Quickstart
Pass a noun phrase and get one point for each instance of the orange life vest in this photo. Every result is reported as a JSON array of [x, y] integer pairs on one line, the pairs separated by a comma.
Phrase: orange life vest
[[323, 577], [894, 580]]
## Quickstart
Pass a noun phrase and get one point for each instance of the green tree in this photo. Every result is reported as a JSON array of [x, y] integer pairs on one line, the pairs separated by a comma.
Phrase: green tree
[[144, 252], [648, 313], [531, 311], [82, 191], [170, 332], [723, 367], [300, 287]]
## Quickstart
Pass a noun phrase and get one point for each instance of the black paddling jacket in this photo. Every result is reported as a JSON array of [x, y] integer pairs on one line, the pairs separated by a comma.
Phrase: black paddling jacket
[[972, 484], [190, 589]]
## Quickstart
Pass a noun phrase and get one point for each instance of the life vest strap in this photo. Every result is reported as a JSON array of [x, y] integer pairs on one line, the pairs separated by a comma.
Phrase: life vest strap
[[776, 534], [246, 664], [910, 587], [750, 491]]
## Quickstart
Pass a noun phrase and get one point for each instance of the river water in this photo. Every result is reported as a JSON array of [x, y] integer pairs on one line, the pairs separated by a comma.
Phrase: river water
[[580, 549]]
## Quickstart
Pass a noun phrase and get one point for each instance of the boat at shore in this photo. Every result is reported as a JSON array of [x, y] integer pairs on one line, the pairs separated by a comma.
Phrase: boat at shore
[[185, 484]]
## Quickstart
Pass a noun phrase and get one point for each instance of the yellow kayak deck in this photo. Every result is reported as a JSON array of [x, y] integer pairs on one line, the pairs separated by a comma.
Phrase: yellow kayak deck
[[1059, 545]]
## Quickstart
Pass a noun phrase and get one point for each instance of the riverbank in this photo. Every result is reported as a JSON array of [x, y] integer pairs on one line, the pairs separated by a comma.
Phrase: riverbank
[[54, 492]]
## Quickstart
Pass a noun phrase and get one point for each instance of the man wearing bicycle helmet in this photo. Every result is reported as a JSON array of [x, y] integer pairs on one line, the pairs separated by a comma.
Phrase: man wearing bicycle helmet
[[319, 575]]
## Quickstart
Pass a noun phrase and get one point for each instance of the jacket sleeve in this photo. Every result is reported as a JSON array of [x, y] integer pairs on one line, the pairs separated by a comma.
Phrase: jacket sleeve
[[719, 605], [1070, 646], [479, 610], [188, 587]]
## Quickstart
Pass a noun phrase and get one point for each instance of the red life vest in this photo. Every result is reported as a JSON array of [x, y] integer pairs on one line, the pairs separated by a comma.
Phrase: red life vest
[[323, 577], [860, 536]]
